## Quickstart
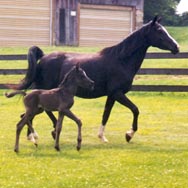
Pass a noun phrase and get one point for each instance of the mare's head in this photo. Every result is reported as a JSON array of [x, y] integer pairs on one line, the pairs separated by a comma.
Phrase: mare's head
[[158, 36], [78, 77]]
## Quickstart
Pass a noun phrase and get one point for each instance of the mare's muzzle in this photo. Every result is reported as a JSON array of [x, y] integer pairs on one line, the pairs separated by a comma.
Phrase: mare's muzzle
[[176, 49]]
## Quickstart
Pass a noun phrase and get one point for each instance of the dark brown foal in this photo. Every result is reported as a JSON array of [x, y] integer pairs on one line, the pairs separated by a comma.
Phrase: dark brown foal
[[59, 99]]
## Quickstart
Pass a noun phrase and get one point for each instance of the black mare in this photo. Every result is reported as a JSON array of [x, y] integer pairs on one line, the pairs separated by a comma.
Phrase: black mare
[[112, 69]]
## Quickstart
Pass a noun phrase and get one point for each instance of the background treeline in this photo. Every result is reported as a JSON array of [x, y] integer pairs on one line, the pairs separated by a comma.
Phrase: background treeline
[[167, 10]]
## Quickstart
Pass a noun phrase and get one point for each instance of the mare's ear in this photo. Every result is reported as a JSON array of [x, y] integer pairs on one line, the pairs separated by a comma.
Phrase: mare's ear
[[77, 66], [156, 19]]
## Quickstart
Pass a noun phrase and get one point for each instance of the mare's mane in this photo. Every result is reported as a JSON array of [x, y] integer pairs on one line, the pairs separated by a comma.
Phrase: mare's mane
[[128, 46]]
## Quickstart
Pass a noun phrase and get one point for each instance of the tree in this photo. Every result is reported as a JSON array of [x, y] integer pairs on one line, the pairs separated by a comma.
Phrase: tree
[[184, 19], [164, 8]]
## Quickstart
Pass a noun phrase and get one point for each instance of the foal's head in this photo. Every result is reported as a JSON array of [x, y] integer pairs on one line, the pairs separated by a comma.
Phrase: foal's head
[[77, 76]]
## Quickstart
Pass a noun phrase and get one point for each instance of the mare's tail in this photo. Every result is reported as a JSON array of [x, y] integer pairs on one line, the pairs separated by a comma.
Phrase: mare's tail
[[12, 94], [34, 54]]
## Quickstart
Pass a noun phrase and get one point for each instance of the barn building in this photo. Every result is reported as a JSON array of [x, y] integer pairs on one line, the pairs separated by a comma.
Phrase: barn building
[[68, 22]]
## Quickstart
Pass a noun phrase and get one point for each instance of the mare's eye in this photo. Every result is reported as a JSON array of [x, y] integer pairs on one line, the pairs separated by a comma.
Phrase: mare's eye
[[82, 76], [159, 29]]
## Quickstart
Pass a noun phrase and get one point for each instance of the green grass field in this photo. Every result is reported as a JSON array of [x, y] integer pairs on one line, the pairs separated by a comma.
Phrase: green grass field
[[155, 158]]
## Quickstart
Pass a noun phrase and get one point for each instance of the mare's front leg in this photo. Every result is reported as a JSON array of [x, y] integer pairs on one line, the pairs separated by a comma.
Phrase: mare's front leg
[[69, 114], [122, 99], [108, 107], [58, 130]]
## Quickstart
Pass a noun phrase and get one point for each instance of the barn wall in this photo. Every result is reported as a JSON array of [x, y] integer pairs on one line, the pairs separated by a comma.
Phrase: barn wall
[[67, 22], [59, 22], [25, 22], [102, 25], [135, 3], [76, 18], [138, 5]]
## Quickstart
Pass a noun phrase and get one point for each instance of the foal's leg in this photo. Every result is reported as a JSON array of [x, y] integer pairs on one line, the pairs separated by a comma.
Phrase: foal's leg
[[122, 99], [30, 134], [20, 126], [54, 121], [33, 136], [58, 130], [69, 114], [28, 130], [108, 107]]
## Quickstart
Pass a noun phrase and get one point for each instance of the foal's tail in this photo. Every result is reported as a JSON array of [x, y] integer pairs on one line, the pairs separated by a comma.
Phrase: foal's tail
[[12, 94], [34, 54]]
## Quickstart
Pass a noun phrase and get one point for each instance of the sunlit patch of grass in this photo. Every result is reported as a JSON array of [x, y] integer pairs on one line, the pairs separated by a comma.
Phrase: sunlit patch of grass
[[159, 146], [160, 80]]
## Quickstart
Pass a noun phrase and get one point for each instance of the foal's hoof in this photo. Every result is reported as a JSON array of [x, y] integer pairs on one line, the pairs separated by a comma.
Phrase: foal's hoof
[[36, 145], [16, 150], [78, 148], [53, 134], [57, 148]]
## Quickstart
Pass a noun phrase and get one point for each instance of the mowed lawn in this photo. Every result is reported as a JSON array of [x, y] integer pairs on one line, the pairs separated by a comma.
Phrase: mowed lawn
[[155, 158]]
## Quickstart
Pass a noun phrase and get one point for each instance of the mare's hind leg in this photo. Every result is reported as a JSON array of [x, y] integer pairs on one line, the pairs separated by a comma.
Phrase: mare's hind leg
[[69, 114]]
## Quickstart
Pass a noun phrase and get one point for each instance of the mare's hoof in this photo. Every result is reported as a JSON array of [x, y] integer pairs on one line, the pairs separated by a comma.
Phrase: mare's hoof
[[36, 145], [128, 137], [53, 134], [57, 148], [16, 150], [103, 138]]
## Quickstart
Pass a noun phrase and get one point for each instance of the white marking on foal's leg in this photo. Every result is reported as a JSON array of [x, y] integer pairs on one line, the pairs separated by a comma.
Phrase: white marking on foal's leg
[[36, 136], [33, 137], [101, 134]]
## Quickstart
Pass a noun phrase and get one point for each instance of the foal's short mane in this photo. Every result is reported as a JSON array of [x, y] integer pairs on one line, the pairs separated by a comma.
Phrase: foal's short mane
[[67, 77], [127, 46]]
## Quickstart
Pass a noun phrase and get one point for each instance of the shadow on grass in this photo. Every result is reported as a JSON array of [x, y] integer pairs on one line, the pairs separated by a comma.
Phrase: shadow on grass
[[89, 150]]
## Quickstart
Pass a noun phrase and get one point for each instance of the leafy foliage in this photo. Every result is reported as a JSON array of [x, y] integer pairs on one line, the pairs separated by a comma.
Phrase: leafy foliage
[[167, 10]]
